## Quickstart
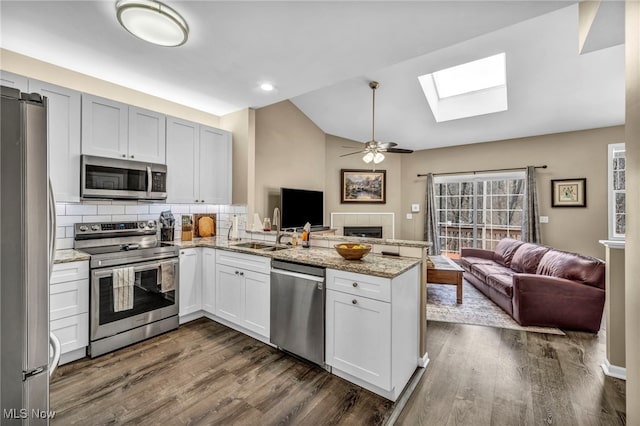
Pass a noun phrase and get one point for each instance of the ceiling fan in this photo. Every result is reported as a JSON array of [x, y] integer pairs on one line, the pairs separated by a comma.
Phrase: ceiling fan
[[373, 149]]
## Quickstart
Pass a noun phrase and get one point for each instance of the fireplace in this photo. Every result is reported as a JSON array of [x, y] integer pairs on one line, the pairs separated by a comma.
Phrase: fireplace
[[363, 231]]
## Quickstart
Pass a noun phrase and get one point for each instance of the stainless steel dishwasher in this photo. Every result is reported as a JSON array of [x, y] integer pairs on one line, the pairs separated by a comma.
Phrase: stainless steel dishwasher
[[297, 309]]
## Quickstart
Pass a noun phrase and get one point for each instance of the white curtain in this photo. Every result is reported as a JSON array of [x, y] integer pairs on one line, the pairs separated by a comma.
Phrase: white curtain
[[530, 215], [431, 217]]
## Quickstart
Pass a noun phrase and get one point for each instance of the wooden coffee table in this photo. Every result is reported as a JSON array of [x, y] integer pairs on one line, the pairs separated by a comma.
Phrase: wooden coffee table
[[442, 270]]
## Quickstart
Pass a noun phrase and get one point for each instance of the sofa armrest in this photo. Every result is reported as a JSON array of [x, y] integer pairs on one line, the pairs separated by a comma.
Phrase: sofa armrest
[[476, 252], [556, 302]]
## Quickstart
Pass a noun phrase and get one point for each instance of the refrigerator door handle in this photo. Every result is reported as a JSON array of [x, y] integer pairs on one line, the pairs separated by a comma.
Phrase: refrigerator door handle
[[52, 228], [55, 344]]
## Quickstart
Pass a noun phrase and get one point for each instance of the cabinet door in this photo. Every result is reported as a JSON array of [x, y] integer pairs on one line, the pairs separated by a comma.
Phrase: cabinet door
[[63, 126], [147, 140], [229, 293], [16, 81], [104, 127], [257, 302], [182, 164], [208, 279], [215, 166], [358, 339], [190, 296]]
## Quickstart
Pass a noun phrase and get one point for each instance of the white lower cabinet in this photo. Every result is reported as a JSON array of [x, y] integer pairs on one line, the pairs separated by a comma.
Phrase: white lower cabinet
[[372, 329], [190, 290], [69, 308], [242, 290], [208, 279]]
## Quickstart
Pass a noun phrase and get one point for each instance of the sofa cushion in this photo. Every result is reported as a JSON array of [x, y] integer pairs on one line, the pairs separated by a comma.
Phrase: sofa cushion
[[466, 262], [481, 271], [502, 283], [572, 266], [527, 257], [506, 248]]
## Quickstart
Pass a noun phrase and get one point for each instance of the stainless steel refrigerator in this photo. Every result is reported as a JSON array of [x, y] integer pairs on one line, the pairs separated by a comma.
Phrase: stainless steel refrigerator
[[27, 230]]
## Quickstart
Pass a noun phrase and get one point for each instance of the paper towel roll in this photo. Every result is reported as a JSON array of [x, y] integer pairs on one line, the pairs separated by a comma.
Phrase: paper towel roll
[[257, 223], [234, 229]]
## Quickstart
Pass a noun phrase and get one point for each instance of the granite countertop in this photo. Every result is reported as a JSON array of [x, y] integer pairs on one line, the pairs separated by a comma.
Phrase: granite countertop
[[332, 237], [372, 264], [70, 255]]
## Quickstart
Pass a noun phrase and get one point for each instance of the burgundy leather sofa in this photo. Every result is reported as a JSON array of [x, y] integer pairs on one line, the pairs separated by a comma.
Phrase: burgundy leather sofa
[[538, 285]]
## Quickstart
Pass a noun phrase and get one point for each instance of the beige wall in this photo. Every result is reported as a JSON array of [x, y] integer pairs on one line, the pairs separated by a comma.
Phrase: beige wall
[[567, 155], [290, 152], [43, 71], [242, 125], [334, 147], [632, 252]]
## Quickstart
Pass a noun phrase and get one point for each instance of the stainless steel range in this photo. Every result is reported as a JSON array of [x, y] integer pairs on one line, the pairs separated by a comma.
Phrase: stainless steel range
[[134, 283]]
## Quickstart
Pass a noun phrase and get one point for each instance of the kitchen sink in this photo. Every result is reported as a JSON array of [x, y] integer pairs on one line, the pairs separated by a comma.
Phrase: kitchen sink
[[254, 245], [276, 248]]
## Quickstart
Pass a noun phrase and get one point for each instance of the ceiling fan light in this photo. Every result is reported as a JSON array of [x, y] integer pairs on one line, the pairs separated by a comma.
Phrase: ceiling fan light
[[378, 158], [368, 157], [152, 21]]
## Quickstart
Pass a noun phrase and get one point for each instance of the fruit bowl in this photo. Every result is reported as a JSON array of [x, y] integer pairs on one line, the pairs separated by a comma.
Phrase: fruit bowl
[[352, 251]]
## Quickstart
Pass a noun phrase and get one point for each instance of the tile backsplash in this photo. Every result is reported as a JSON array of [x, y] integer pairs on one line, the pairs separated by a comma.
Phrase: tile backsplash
[[68, 214]]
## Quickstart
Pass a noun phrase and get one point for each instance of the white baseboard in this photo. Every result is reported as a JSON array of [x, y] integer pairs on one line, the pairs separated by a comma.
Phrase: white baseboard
[[73, 356], [613, 370], [422, 362]]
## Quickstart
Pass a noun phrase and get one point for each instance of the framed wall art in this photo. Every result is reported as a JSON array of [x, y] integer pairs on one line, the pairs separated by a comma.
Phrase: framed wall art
[[569, 192], [363, 186]]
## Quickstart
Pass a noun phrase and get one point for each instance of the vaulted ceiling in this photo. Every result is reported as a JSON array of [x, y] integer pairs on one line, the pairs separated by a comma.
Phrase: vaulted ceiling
[[321, 55]]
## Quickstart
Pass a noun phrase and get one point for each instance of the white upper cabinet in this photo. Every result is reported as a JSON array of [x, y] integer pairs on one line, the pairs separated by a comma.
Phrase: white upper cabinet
[[116, 130], [146, 135], [104, 127], [198, 162], [16, 81], [63, 127]]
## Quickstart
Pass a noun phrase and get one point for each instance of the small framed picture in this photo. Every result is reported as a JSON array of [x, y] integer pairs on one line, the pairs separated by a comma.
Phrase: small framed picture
[[363, 186], [569, 192]]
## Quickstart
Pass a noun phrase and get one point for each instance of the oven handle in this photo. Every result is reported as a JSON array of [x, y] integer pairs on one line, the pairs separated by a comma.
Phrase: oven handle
[[143, 267], [149, 180]]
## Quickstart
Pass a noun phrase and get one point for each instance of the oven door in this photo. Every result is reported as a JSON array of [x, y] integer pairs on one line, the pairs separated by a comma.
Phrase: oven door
[[150, 295]]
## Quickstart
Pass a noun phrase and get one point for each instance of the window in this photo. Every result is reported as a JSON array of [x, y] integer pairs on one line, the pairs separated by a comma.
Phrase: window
[[478, 210], [617, 192]]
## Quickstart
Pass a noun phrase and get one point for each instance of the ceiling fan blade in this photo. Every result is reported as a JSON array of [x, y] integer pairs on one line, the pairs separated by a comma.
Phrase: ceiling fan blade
[[386, 145], [399, 151], [352, 153]]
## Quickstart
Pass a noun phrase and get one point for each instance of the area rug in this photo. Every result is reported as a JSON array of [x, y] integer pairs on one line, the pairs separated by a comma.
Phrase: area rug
[[475, 309]]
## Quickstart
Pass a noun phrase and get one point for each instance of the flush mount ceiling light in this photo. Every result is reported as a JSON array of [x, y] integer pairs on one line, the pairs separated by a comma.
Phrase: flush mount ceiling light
[[267, 87], [152, 21], [373, 150]]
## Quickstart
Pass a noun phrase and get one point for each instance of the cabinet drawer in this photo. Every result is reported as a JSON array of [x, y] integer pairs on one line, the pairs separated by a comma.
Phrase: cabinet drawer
[[247, 262], [69, 298], [377, 288], [72, 271], [73, 332]]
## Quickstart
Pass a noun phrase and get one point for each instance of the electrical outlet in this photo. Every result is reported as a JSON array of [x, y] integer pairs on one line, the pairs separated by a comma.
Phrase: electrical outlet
[[409, 216], [415, 208], [544, 219]]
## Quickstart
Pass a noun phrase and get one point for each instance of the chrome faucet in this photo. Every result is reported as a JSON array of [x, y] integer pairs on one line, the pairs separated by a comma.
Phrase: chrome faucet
[[276, 224]]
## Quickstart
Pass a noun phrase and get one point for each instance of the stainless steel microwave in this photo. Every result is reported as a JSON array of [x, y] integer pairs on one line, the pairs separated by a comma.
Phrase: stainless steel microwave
[[112, 178]]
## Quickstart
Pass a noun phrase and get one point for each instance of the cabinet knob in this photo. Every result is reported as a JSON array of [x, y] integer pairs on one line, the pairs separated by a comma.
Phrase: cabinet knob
[[197, 201], [132, 156], [355, 284], [124, 156], [181, 252], [242, 274], [354, 301]]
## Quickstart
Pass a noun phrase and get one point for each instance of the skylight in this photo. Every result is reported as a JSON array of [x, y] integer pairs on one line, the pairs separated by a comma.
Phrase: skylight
[[474, 88]]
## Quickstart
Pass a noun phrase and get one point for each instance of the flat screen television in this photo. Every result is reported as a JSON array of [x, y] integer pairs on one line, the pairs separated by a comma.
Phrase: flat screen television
[[299, 206]]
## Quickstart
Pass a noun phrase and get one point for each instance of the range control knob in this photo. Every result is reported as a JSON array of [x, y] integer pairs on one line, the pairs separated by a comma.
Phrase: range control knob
[[83, 228], [95, 227], [141, 225], [151, 224]]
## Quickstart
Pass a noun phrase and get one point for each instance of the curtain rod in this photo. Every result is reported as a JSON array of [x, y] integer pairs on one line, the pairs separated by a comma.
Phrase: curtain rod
[[482, 171]]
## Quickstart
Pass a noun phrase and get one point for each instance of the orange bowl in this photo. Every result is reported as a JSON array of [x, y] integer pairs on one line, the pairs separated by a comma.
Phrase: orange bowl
[[350, 252]]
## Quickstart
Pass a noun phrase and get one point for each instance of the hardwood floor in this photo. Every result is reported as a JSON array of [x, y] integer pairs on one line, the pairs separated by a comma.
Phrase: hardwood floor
[[491, 376], [205, 373]]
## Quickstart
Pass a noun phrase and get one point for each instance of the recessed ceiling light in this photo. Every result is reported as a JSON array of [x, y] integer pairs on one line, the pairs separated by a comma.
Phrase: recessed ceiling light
[[267, 87], [152, 21]]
